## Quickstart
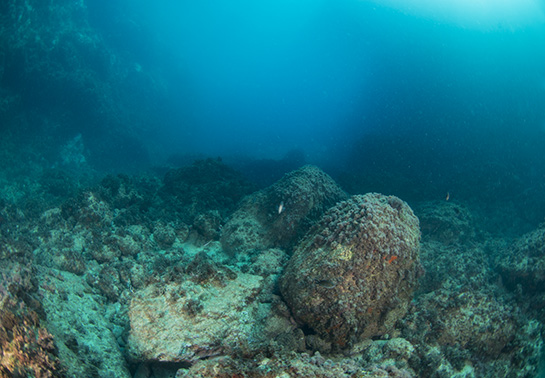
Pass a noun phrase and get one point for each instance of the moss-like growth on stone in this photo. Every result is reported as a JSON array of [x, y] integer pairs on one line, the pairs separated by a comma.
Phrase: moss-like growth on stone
[[354, 273]]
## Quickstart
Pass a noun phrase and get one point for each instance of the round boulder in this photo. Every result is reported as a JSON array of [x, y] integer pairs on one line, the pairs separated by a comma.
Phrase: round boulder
[[353, 275], [278, 216]]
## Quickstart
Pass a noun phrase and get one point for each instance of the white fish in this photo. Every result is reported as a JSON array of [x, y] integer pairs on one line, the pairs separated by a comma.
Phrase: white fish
[[281, 207]]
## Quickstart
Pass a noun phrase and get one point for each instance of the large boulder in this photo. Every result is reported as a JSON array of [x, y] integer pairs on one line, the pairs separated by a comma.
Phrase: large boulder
[[354, 273], [276, 217]]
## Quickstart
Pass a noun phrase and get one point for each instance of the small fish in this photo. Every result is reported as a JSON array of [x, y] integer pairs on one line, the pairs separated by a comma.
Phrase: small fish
[[328, 284], [448, 196], [281, 207]]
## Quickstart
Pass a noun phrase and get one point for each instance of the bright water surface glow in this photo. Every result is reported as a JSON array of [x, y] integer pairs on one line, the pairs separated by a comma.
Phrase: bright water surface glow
[[476, 14], [260, 78]]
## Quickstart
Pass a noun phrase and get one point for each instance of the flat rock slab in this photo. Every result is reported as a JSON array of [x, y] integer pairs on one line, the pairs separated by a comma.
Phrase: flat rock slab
[[187, 322]]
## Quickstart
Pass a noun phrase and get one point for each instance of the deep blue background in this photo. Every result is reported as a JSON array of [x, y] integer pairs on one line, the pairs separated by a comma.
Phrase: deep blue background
[[262, 78], [383, 99]]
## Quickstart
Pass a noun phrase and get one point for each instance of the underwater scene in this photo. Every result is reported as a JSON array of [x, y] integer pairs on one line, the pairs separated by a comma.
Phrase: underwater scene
[[272, 189]]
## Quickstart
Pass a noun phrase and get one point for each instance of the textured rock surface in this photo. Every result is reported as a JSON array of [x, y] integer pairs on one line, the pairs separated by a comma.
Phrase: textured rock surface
[[205, 186], [27, 349], [280, 214], [87, 339], [453, 263], [446, 222], [523, 263], [354, 273], [477, 322], [460, 323], [295, 366], [187, 322]]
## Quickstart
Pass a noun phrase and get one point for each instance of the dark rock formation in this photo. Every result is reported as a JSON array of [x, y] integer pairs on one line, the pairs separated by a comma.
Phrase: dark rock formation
[[354, 273], [280, 214]]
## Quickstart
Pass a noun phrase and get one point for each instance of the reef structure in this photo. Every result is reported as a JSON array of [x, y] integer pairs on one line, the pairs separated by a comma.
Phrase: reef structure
[[354, 273], [279, 215], [522, 264]]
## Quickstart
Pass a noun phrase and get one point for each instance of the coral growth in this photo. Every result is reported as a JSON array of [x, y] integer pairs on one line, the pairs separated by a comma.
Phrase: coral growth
[[119, 260], [471, 326], [190, 321], [280, 214], [354, 273], [206, 185], [446, 222], [523, 263], [27, 349]]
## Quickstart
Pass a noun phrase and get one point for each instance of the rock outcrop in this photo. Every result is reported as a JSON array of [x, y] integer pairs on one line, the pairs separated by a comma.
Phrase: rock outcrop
[[354, 273], [276, 217]]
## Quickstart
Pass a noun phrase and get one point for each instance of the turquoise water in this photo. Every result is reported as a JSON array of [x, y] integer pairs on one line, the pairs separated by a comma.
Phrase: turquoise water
[[172, 177]]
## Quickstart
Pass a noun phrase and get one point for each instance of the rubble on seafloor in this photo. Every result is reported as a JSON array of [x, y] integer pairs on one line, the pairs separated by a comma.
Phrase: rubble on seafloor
[[143, 277]]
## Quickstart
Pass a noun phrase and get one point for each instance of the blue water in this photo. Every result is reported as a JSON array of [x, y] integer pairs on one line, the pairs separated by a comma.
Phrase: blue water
[[448, 99], [262, 78], [440, 95], [439, 103]]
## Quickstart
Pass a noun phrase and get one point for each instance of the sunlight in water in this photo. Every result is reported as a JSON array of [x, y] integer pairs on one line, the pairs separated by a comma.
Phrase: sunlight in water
[[479, 14]]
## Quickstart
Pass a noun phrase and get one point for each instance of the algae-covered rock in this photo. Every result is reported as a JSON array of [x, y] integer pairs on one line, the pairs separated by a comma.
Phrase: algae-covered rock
[[523, 263], [276, 217], [446, 222], [475, 321], [27, 348], [467, 325], [353, 274], [196, 319], [292, 366], [88, 342], [207, 185]]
